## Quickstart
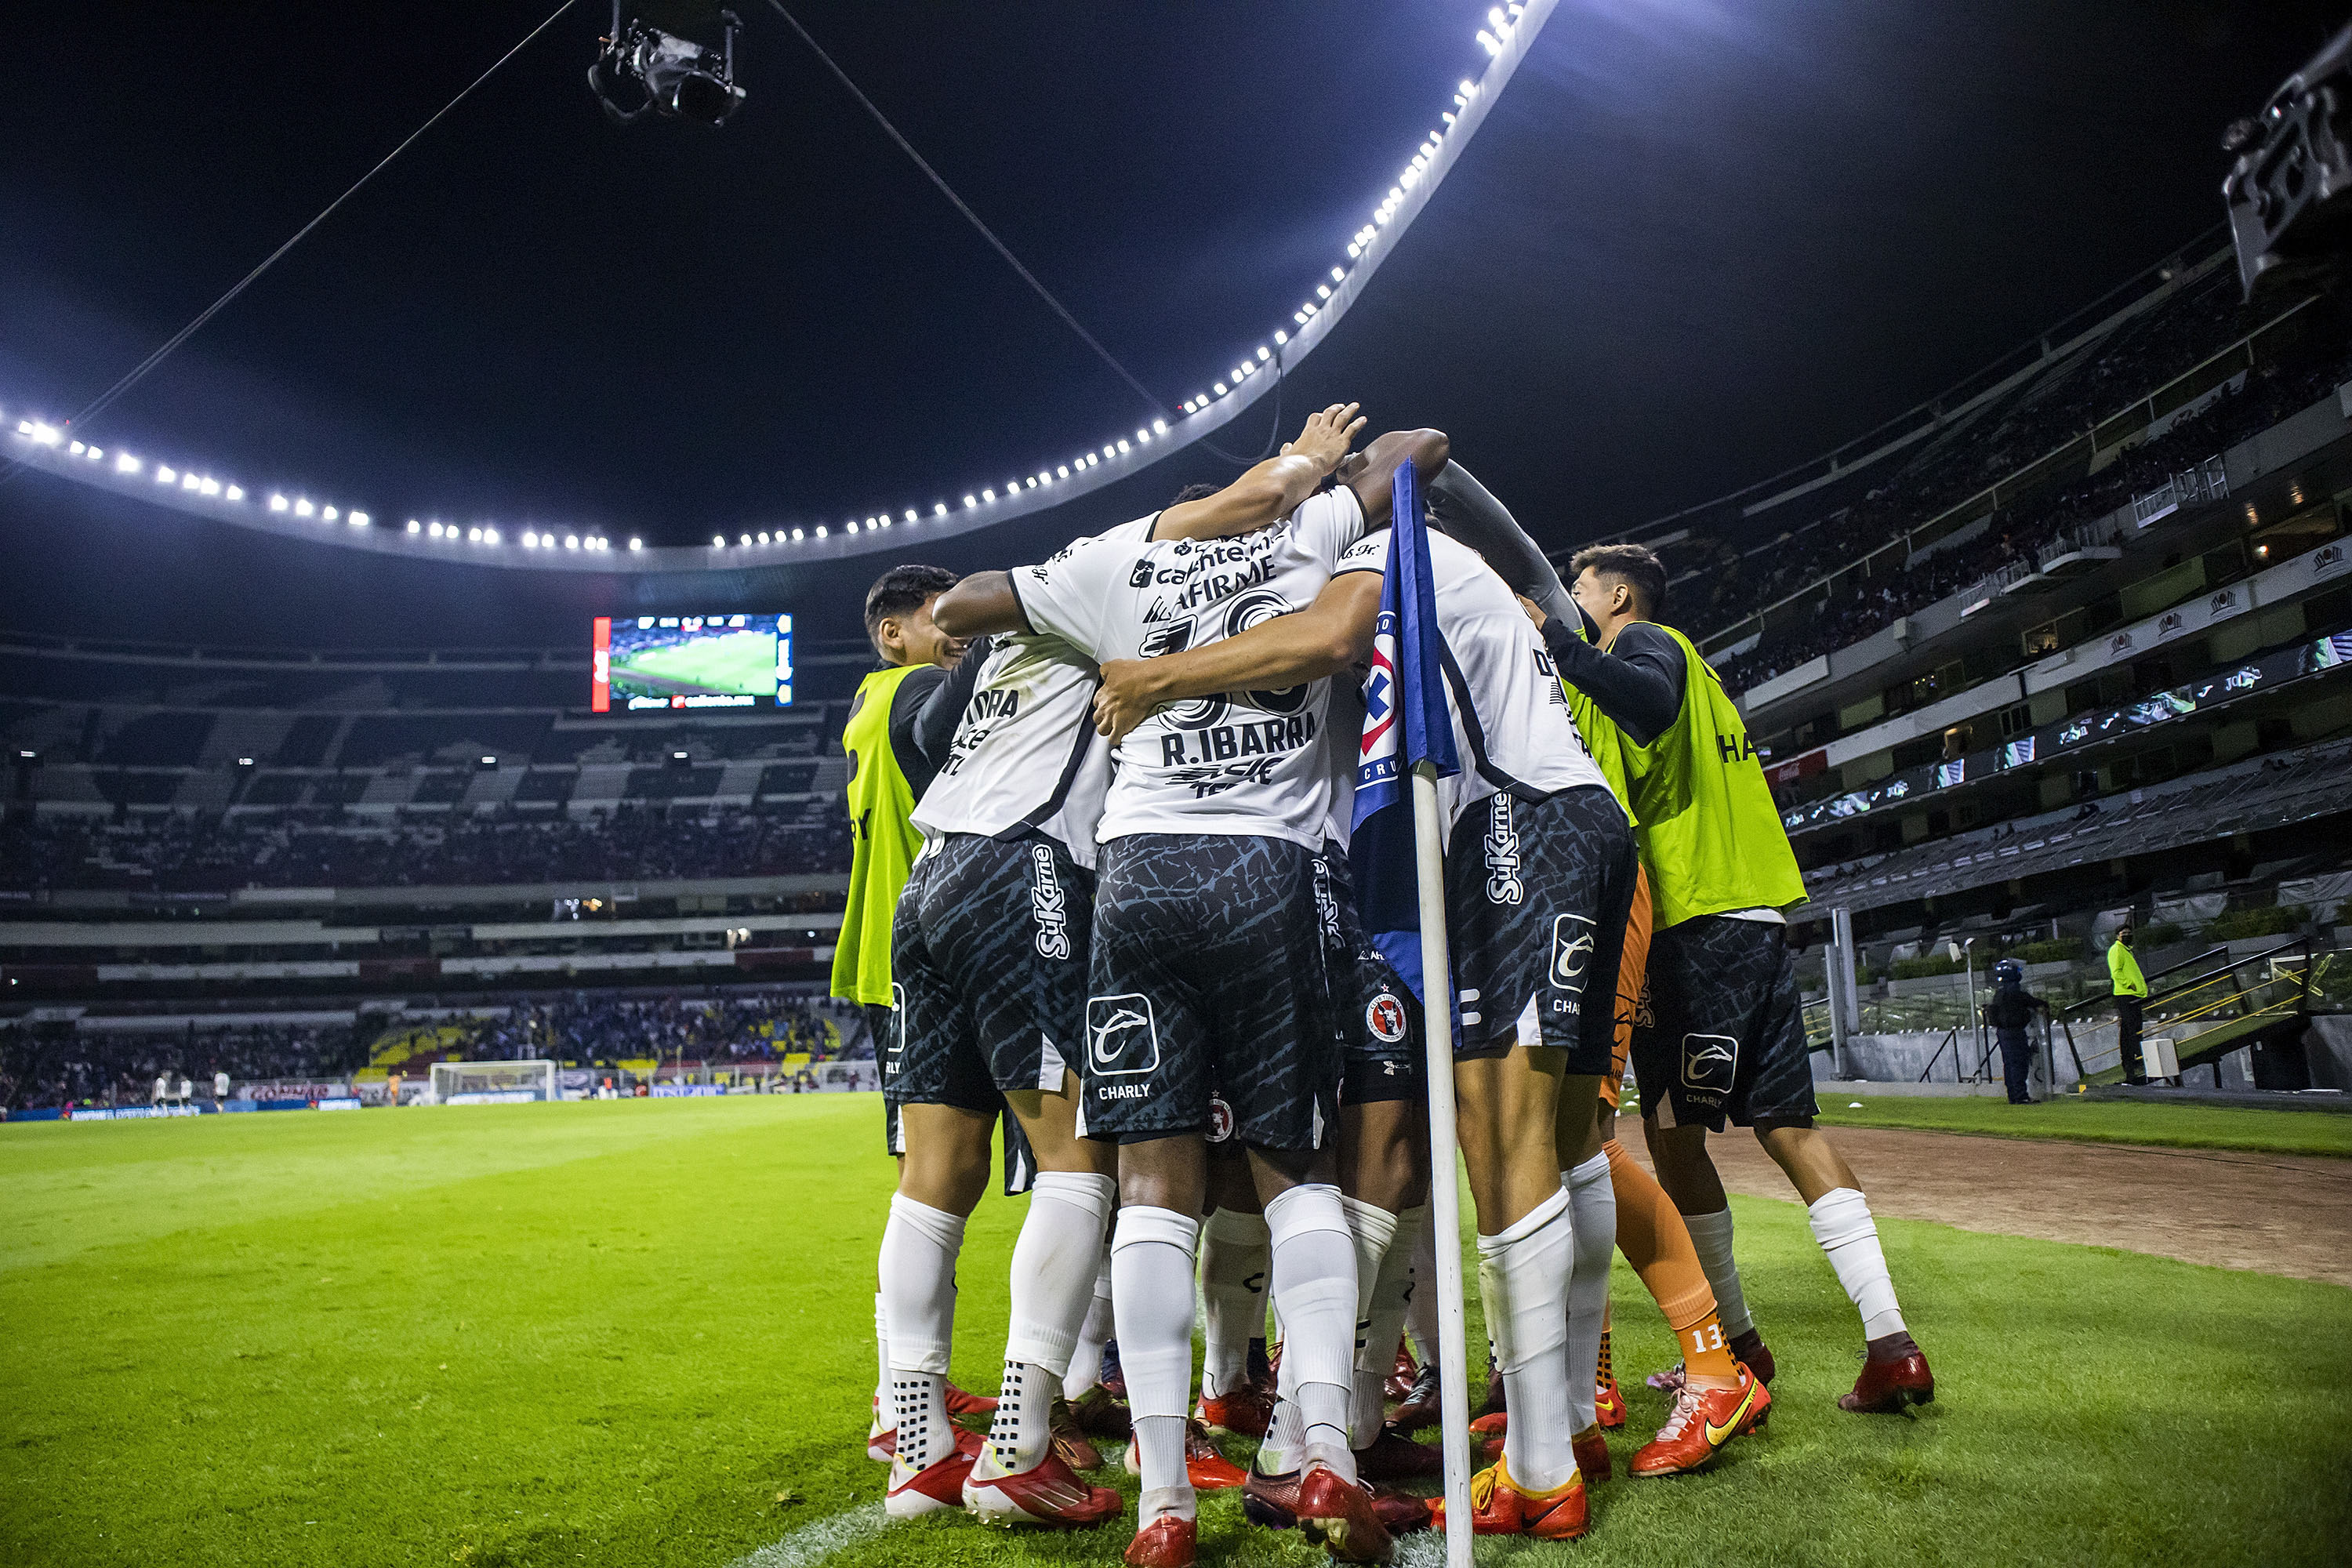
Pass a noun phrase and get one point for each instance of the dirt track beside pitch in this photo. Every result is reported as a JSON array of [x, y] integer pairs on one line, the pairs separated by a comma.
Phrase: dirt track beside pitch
[[2279, 1214]]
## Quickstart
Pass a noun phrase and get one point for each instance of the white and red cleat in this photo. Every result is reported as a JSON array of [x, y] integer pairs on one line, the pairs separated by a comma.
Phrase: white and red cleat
[[1048, 1493], [881, 1442], [937, 1487]]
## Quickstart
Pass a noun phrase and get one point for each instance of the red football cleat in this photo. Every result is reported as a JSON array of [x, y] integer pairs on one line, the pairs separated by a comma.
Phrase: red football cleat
[[1208, 1469], [1592, 1460], [1272, 1502], [1393, 1457], [1702, 1422], [1608, 1403], [937, 1487], [1167, 1541], [1240, 1414], [1885, 1387], [1049, 1493], [1402, 1375], [1496, 1424], [1338, 1513], [881, 1442], [960, 1403], [1497, 1506]]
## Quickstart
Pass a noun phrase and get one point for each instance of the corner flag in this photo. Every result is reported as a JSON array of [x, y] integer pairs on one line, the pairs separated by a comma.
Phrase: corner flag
[[1408, 732]]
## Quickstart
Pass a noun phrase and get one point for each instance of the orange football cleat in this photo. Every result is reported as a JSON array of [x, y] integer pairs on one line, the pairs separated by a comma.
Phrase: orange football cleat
[[1208, 1469], [1243, 1413], [1497, 1506], [1592, 1460], [1702, 1422], [1608, 1403], [1167, 1541]]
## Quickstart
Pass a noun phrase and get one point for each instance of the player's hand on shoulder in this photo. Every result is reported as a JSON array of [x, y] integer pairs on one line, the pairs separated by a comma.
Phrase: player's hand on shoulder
[[1328, 434], [1125, 699], [1534, 610]]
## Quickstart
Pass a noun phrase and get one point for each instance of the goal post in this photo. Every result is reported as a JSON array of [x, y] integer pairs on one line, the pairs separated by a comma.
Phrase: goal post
[[492, 1083]]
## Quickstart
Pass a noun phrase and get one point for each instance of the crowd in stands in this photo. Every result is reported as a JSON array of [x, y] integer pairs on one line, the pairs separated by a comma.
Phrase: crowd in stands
[[600, 1028], [180, 852], [56, 1064], [2268, 395]]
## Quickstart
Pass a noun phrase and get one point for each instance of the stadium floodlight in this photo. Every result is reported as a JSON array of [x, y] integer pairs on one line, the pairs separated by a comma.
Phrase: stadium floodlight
[[412, 525], [190, 482], [328, 512], [1160, 426], [571, 541], [636, 543], [849, 527], [165, 474], [489, 761], [986, 493], [435, 531], [210, 487], [96, 453], [75, 449], [303, 507], [910, 517], [489, 535], [820, 531], [44, 434], [474, 535], [763, 536], [359, 519], [245, 762], [717, 542], [126, 464], [970, 501], [796, 536], [939, 507], [236, 492], [1122, 445], [1221, 389]]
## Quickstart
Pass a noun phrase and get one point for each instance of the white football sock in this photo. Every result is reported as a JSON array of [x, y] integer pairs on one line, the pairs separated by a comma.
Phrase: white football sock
[[886, 1413], [1314, 1293], [1233, 1266], [1524, 1271], [1151, 1279], [1051, 1284], [1842, 1224], [1711, 1235], [918, 1257], [1384, 1319], [1087, 1355], [1592, 1205], [1421, 1302]]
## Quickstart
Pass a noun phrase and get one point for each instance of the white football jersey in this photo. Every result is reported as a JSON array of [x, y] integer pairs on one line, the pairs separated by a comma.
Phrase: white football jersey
[[1248, 763], [1512, 727], [1025, 752]]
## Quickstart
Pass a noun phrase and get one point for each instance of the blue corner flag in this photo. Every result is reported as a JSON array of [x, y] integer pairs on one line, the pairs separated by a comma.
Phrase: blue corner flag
[[1405, 722]]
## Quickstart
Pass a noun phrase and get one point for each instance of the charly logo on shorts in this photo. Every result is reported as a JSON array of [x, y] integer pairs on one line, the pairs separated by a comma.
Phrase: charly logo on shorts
[[1384, 1017], [1503, 885], [1048, 903], [1221, 1118], [895, 1047], [1709, 1061], [1123, 1040], [1572, 952]]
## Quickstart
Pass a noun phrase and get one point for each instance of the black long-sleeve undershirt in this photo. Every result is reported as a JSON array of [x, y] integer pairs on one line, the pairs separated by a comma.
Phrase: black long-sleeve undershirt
[[907, 705], [935, 723], [1637, 684]]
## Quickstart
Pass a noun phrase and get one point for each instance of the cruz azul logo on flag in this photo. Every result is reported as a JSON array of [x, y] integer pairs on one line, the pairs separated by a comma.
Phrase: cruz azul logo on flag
[[1376, 756]]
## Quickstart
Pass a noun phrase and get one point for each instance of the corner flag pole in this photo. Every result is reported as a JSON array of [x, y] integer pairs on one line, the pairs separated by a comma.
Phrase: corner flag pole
[[1444, 1195]]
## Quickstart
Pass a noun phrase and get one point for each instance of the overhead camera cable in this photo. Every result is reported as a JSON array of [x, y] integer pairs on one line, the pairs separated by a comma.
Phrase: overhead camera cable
[[986, 232], [144, 367]]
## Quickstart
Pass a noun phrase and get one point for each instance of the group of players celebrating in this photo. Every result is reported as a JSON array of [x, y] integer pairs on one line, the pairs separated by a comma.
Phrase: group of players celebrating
[[1102, 890]]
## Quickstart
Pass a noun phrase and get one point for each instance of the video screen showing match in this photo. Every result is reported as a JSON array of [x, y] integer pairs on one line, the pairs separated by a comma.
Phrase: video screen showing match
[[691, 661]]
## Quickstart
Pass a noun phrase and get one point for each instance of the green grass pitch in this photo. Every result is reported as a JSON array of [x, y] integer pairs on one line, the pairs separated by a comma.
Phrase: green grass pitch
[[730, 662], [638, 1333]]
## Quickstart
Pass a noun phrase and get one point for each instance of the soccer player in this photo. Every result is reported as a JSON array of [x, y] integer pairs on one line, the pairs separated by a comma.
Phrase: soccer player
[[1540, 867], [1724, 1038], [1207, 1015], [887, 771], [990, 958]]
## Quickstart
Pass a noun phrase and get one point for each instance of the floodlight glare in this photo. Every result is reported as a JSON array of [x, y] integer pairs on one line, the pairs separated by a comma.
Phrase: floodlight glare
[[126, 464], [302, 508]]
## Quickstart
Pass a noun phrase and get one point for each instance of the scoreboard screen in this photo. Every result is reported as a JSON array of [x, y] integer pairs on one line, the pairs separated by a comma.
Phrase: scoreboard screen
[[644, 662]]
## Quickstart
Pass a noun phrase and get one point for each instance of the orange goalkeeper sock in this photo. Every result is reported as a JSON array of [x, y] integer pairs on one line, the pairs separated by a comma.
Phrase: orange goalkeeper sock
[[1652, 1236]]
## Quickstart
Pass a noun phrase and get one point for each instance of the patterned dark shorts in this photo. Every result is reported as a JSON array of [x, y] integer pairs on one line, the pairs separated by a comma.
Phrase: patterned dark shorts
[[1375, 1015], [1536, 903], [1720, 1032], [1208, 1011]]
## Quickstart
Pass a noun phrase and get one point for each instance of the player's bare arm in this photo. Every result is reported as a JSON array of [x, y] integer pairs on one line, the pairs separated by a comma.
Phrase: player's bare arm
[[979, 606], [1371, 474], [1274, 489], [1330, 635]]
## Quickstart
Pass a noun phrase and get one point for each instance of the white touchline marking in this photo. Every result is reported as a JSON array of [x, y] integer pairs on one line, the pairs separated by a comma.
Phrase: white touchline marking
[[812, 1543]]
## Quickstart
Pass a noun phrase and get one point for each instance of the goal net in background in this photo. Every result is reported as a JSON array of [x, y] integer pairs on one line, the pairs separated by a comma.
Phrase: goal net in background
[[492, 1083]]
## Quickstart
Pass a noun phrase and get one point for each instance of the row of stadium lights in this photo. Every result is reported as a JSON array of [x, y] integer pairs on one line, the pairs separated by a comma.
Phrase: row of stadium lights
[[1502, 20]]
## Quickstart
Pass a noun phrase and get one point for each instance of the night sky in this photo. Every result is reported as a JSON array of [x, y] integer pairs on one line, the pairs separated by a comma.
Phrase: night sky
[[1694, 242]]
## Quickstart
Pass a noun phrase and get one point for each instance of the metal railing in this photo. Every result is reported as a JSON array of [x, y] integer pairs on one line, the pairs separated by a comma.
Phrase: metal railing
[[2209, 1007]]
